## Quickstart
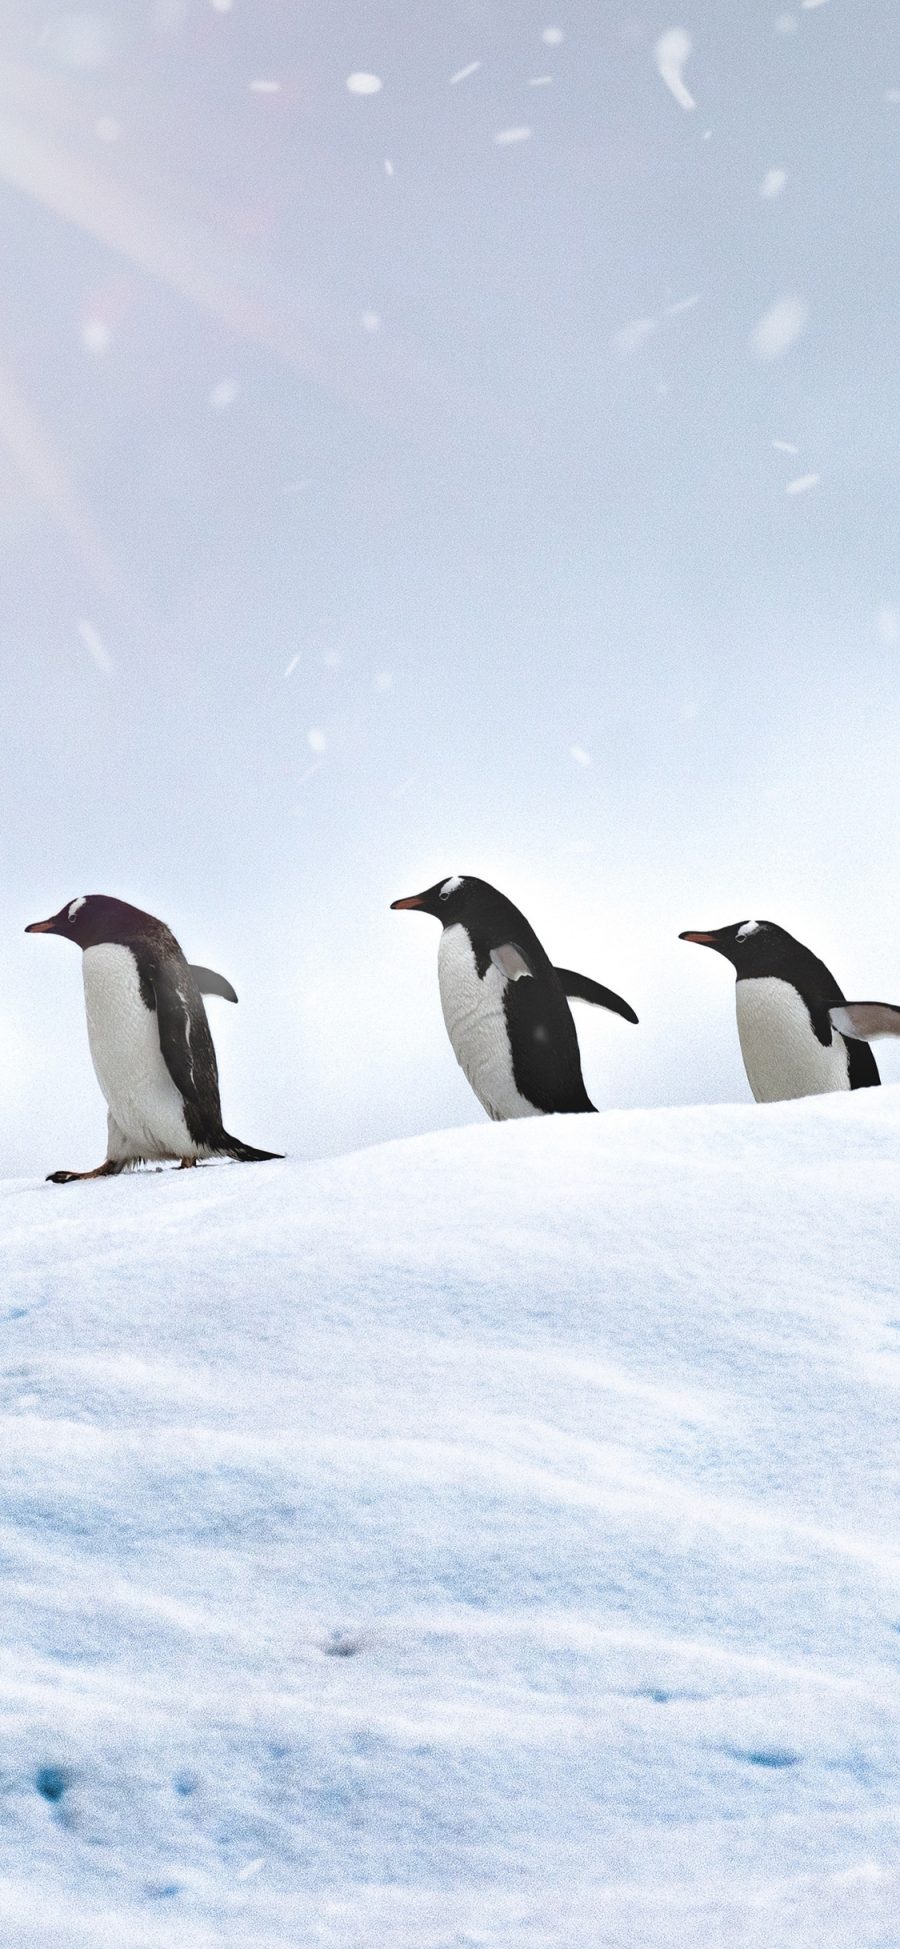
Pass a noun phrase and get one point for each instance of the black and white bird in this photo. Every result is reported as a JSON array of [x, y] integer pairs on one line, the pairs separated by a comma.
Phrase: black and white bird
[[149, 1038], [783, 998], [505, 1005]]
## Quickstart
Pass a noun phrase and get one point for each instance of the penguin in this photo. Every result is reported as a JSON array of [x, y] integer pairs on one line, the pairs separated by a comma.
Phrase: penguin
[[505, 1005], [149, 1038], [783, 996]]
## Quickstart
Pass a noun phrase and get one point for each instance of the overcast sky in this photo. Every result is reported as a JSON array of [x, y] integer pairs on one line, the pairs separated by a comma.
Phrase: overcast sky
[[494, 471]]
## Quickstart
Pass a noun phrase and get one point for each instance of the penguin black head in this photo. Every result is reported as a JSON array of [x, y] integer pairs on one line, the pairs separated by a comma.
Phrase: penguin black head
[[96, 917], [754, 947], [450, 900]]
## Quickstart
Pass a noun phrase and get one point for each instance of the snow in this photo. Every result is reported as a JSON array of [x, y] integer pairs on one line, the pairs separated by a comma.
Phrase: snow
[[803, 483], [670, 53], [489, 1538], [779, 328], [462, 74], [96, 336], [504, 137], [360, 83], [773, 183], [631, 337], [223, 395], [96, 648]]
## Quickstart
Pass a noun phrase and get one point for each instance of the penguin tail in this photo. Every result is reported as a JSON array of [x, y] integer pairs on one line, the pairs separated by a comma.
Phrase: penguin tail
[[245, 1153]]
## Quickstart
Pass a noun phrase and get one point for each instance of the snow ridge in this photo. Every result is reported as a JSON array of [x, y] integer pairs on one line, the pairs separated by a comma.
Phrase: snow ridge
[[483, 1539]]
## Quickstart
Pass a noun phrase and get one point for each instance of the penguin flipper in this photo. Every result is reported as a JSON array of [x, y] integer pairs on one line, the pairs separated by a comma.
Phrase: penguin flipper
[[580, 988], [866, 1021], [187, 1048], [210, 983], [859, 1023], [511, 961]]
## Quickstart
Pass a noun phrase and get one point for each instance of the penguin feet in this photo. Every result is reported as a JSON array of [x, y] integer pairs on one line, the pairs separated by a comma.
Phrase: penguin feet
[[107, 1170], [187, 1164]]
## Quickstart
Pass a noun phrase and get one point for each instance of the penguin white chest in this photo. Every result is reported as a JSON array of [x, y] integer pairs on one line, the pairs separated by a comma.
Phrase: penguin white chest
[[146, 1114], [782, 1054], [477, 1027]]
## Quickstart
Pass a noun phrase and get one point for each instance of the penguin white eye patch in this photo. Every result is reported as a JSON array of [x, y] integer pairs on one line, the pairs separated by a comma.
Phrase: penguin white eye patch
[[450, 886], [510, 960], [749, 927], [76, 904]]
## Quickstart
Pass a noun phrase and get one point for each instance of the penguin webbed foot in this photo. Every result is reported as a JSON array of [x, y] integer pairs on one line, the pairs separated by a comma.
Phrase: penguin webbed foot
[[105, 1170]]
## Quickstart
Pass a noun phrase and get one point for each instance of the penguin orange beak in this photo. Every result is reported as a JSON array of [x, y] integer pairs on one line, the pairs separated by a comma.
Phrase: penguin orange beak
[[702, 940], [414, 900], [42, 926]]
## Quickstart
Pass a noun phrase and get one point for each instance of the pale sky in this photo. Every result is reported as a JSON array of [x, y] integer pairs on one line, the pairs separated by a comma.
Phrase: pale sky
[[494, 474]]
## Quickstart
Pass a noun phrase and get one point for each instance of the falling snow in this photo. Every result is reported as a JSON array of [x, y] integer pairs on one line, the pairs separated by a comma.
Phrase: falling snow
[[773, 183], [96, 336], [581, 757], [785, 446], [265, 87], [316, 740], [670, 54], [779, 328], [505, 137], [95, 646], [364, 84], [631, 337], [802, 484], [462, 74], [371, 321], [553, 36], [224, 394]]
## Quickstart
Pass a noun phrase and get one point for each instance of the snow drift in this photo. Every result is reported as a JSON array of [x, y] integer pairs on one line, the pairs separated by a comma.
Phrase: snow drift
[[484, 1539]]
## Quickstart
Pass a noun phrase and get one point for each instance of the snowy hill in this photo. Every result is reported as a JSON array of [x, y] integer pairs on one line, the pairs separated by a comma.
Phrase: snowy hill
[[488, 1539]]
